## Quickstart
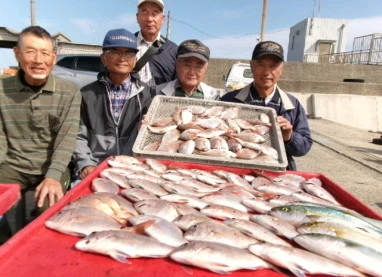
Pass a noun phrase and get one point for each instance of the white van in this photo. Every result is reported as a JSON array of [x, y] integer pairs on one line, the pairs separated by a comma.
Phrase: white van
[[238, 76]]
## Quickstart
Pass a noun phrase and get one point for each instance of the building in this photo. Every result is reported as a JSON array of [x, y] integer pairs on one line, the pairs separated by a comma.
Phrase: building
[[8, 39], [314, 37]]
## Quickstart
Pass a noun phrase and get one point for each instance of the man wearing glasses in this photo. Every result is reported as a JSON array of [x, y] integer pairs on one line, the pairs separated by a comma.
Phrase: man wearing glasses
[[112, 107], [191, 66], [156, 56]]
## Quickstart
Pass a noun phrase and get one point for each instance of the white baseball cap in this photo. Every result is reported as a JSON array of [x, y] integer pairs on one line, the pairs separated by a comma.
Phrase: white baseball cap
[[158, 2]]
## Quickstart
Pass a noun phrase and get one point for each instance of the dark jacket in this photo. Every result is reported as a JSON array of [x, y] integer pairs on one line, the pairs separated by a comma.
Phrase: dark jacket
[[99, 135], [162, 64], [291, 109]]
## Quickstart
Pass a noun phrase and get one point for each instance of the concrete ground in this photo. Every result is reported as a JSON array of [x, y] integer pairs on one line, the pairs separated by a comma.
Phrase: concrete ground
[[347, 156]]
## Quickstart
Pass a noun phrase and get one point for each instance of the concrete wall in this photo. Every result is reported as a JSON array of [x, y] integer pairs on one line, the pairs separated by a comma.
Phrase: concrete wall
[[364, 112], [312, 77], [321, 90]]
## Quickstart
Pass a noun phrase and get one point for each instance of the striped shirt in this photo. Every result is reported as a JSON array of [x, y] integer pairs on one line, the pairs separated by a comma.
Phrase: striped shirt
[[118, 96], [38, 129]]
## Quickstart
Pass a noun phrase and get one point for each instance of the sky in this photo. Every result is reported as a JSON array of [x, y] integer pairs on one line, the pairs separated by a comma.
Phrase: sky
[[230, 28]]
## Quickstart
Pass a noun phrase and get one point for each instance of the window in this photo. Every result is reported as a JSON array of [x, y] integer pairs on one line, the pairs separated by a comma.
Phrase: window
[[89, 64]]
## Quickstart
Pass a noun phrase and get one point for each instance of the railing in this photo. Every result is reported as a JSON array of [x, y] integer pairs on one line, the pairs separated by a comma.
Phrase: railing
[[354, 57]]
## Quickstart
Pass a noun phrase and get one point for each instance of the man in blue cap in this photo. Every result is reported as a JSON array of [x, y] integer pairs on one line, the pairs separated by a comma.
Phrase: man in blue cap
[[112, 107]]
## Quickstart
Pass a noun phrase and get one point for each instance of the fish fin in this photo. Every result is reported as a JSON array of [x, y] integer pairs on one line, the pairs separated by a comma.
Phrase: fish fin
[[119, 257], [139, 228], [297, 271]]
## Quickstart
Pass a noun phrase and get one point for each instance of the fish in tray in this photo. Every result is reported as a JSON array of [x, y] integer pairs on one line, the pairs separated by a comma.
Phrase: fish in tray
[[217, 132]]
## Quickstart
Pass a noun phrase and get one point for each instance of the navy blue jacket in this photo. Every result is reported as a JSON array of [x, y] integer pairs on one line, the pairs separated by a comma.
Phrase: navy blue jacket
[[291, 109], [162, 64]]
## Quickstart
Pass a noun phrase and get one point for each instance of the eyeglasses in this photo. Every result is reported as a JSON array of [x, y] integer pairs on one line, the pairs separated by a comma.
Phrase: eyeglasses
[[32, 53], [117, 54], [190, 65]]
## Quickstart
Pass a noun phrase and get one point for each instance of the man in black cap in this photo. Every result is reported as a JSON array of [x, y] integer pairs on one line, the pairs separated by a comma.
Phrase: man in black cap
[[267, 66], [112, 107], [191, 66]]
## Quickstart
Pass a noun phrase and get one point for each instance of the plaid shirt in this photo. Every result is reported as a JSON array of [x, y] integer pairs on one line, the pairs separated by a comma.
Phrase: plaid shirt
[[118, 96]]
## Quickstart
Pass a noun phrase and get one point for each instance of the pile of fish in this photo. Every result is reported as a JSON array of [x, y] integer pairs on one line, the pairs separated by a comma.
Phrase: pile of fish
[[221, 221], [214, 131]]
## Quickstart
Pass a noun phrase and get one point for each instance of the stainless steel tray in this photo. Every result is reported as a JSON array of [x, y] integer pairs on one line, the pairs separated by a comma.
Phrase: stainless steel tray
[[163, 106]]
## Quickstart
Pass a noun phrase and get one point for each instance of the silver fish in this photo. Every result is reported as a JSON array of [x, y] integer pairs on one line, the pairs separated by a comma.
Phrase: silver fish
[[170, 136], [250, 137], [213, 111], [187, 147], [197, 110], [152, 146], [259, 205], [219, 143], [341, 231], [122, 161], [344, 251], [218, 153], [247, 154], [81, 221], [256, 231], [209, 123], [117, 178], [187, 220], [104, 185], [264, 118], [111, 204], [189, 134], [299, 261], [277, 189], [160, 130], [177, 188], [276, 225], [191, 201], [232, 124], [198, 185], [319, 191], [171, 147], [121, 245], [202, 144], [156, 165], [223, 212], [152, 187], [214, 231], [234, 146], [137, 194], [162, 121], [217, 257], [210, 133], [228, 200], [186, 115], [161, 229], [157, 207], [230, 113]]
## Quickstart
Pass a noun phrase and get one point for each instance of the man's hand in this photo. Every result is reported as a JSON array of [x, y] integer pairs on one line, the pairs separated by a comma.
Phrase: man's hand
[[86, 171], [286, 128], [48, 187]]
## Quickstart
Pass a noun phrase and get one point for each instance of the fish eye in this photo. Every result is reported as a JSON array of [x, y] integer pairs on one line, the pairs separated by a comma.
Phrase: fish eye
[[285, 209]]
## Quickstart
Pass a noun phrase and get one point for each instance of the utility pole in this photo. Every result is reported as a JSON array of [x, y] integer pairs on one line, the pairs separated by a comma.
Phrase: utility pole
[[263, 19], [168, 25], [33, 17]]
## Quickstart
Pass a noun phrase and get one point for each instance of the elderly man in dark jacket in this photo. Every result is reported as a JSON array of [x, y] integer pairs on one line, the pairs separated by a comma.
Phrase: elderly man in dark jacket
[[112, 107], [267, 66]]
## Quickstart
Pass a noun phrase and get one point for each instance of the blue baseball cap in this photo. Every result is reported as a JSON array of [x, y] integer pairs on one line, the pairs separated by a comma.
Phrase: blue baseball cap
[[120, 38]]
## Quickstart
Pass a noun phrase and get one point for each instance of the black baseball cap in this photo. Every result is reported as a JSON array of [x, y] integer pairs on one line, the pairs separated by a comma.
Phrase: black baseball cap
[[268, 48], [193, 48]]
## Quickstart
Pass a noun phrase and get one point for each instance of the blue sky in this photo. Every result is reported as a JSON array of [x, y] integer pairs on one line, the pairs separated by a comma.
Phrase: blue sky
[[228, 27]]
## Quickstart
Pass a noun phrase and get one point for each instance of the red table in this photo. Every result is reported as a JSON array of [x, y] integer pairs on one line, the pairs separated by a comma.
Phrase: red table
[[9, 195], [39, 251]]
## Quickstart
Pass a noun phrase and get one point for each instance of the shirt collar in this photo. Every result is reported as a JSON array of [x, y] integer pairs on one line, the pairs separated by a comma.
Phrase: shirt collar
[[125, 84], [178, 86], [141, 40]]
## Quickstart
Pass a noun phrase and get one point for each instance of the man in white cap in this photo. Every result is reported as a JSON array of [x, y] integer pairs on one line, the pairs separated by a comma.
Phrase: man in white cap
[[112, 107], [191, 66], [157, 55]]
